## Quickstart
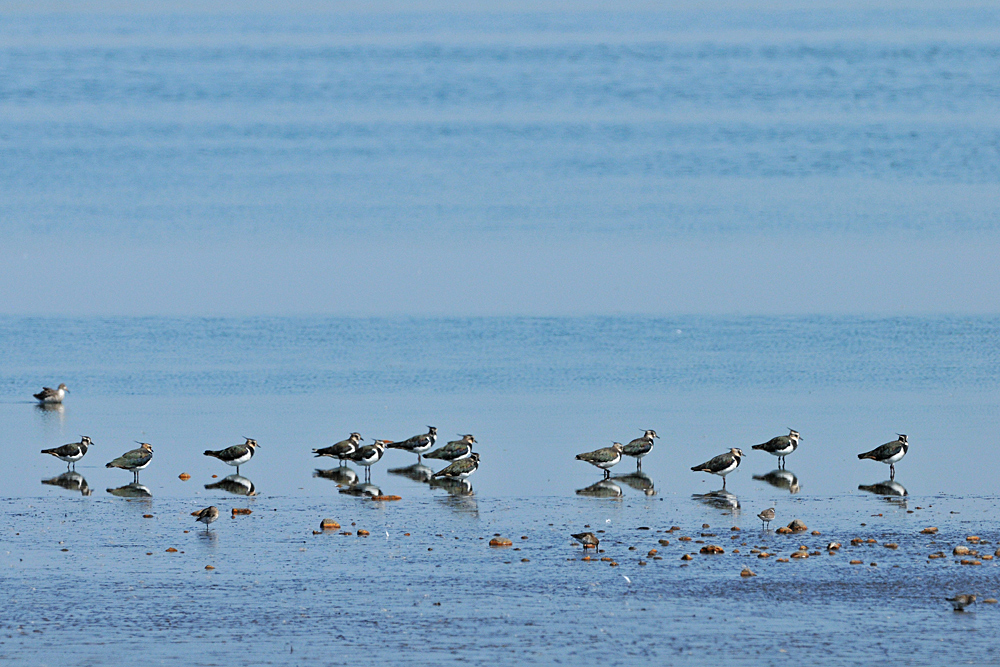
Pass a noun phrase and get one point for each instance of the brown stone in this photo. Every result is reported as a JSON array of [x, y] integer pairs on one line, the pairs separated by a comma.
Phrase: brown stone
[[735, 528], [705, 525], [747, 572], [325, 524], [687, 557], [939, 554], [871, 541], [652, 552], [712, 549], [800, 554], [833, 546], [891, 545], [147, 516], [613, 564], [171, 550], [987, 557], [237, 511], [972, 538], [990, 601], [781, 560], [386, 498], [184, 477], [606, 559], [816, 532], [929, 531], [209, 567], [784, 530], [966, 561], [363, 533], [586, 558], [674, 529], [797, 526], [684, 539], [856, 541], [960, 550], [501, 542], [855, 562], [665, 543]]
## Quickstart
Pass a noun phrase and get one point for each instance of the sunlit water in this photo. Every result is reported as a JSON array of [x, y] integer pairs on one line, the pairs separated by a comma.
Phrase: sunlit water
[[534, 392]]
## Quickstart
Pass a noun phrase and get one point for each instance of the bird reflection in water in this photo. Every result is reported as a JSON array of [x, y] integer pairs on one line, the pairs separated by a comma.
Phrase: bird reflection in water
[[71, 481], [234, 484], [339, 475], [454, 487], [891, 490], [781, 478], [721, 499], [603, 489], [133, 490], [363, 489], [418, 472], [638, 480]]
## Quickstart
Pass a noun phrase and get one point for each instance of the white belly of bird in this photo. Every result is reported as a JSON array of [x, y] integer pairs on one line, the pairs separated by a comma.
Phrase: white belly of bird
[[463, 475], [57, 397], [142, 467], [608, 464], [895, 457], [72, 458], [784, 452], [420, 449], [241, 460], [725, 471], [371, 460]]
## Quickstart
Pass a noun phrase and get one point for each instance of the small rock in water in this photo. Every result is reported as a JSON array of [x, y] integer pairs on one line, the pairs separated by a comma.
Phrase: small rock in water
[[171, 550], [209, 567], [184, 477], [784, 530], [147, 516], [990, 601], [363, 533], [666, 543], [245, 510], [816, 532], [960, 550], [747, 572], [855, 562], [652, 552], [891, 545], [833, 546], [797, 526], [327, 524], [500, 542], [686, 557], [712, 549], [929, 531]]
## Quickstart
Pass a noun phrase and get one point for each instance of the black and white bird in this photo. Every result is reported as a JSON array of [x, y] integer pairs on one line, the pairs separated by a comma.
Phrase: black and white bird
[[721, 465], [640, 447], [781, 446], [960, 602], [418, 444], [72, 452], [604, 458], [134, 460], [454, 450], [588, 540], [767, 516], [460, 469], [207, 515], [889, 453], [369, 455], [49, 395], [342, 450], [236, 455]]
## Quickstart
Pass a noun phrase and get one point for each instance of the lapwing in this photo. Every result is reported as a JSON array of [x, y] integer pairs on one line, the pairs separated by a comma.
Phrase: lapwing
[[781, 446], [72, 452], [604, 458], [369, 455], [454, 450], [207, 515], [640, 447], [342, 450], [767, 516], [134, 460], [49, 395], [960, 602], [418, 444], [588, 540], [721, 465], [460, 469], [889, 453], [236, 455]]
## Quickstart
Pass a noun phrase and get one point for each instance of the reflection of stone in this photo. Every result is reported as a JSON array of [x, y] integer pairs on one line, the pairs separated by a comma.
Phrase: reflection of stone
[[71, 481], [455, 487], [363, 489], [234, 484], [417, 472], [781, 479], [340, 475], [133, 490], [638, 480], [720, 499], [887, 488], [603, 489]]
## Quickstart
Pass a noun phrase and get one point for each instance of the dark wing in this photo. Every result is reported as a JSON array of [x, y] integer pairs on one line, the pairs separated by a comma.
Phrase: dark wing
[[774, 444], [883, 451], [639, 446], [71, 449], [599, 455], [720, 462]]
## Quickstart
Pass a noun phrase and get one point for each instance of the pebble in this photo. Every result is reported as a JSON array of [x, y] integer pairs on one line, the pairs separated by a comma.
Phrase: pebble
[[797, 526], [816, 532], [606, 559], [325, 524], [972, 538], [147, 516], [784, 530], [666, 543], [871, 541], [987, 557], [990, 601], [781, 560], [735, 529], [642, 562], [363, 533], [613, 564], [960, 550], [501, 542], [891, 545], [386, 498], [856, 541], [705, 525], [524, 537], [652, 552], [684, 539], [800, 554], [525, 560], [687, 557], [855, 562], [747, 572], [833, 546], [184, 477], [674, 529], [929, 531], [171, 550], [215, 476], [586, 558], [939, 554], [209, 567], [245, 510], [966, 561], [712, 549]]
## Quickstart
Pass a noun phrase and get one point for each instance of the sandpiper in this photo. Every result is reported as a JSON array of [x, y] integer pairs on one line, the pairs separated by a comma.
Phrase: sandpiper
[[49, 395], [72, 452], [604, 458], [454, 450], [342, 450], [767, 516], [721, 465], [781, 446], [460, 469], [960, 602], [588, 540], [207, 515], [134, 460], [889, 453], [418, 444], [236, 455], [640, 447], [369, 455]]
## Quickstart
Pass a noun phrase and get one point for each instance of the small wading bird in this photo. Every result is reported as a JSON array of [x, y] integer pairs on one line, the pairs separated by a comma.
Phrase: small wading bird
[[454, 450], [960, 602], [767, 516], [49, 395], [369, 455], [460, 469], [640, 447], [342, 450], [889, 453], [418, 444], [134, 460], [588, 540], [207, 515], [72, 452], [781, 446], [604, 458], [722, 465], [236, 455]]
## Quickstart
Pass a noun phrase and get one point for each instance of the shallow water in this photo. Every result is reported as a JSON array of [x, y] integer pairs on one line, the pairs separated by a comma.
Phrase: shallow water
[[534, 392]]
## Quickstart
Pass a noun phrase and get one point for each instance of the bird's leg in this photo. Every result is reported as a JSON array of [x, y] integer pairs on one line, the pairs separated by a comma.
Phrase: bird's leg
[[237, 470], [723, 482], [607, 474], [892, 471], [638, 464]]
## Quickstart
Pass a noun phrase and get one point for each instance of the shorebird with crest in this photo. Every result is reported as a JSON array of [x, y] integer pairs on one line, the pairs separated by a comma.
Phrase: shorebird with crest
[[418, 444], [454, 450], [889, 453], [369, 455], [604, 458], [781, 446], [72, 452], [640, 447], [342, 450], [721, 465], [459, 469], [236, 455], [134, 459]]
